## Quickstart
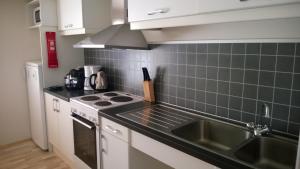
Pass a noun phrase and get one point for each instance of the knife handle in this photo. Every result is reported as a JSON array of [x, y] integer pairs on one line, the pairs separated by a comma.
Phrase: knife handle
[[146, 74]]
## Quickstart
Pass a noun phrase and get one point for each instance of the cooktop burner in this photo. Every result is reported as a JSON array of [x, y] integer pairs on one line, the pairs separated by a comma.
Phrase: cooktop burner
[[111, 94], [103, 103], [121, 99], [90, 98]]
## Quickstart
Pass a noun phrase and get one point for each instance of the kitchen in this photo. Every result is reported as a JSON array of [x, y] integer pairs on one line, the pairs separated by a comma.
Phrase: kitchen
[[187, 84]]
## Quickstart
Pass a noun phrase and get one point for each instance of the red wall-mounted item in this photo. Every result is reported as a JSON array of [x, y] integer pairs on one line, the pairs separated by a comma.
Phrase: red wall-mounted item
[[51, 49]]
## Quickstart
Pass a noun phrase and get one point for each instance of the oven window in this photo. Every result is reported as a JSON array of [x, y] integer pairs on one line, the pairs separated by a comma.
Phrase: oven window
[[85, 143]]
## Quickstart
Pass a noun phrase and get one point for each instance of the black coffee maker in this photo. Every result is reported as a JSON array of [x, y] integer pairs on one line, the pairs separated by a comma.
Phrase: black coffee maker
[[74, 80]]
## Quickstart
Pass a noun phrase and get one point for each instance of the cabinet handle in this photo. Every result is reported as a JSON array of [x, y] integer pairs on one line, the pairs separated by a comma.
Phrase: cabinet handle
[[159, 11], [104, 144], [69, 26], [110, 128], [58, 106], [82, 123], [53, 102]]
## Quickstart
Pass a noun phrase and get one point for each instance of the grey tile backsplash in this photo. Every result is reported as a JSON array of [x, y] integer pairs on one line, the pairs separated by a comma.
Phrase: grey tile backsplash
[[227, 80]]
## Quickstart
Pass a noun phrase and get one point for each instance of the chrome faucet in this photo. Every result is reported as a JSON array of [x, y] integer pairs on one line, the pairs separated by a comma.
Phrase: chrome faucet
[[260, 129]]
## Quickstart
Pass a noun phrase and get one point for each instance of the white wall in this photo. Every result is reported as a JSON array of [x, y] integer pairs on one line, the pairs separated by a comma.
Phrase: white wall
[[17, 45], [68, 57]]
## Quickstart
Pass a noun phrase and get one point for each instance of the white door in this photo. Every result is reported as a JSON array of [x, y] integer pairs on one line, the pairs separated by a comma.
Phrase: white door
[[70, 14], [225, 5], [52, 119], [37, 114], [66, 129], [139, 10], [115, 152]]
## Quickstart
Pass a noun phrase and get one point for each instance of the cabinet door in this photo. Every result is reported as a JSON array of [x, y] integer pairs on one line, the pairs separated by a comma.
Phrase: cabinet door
[[52, 119], [221, 5], [66, 129], [139, 10], [115, 152], [70, 14]]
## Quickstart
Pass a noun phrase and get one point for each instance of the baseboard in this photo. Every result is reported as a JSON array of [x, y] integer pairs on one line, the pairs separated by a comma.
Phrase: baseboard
[[15, 143]]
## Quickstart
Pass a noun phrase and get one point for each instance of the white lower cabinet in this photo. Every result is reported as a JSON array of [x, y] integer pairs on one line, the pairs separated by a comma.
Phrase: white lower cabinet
[[60, 126], [166, 154], [115, 152], [115, 148]]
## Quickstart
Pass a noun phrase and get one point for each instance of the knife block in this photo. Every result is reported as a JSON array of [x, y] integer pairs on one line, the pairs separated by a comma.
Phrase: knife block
[[149, 91]]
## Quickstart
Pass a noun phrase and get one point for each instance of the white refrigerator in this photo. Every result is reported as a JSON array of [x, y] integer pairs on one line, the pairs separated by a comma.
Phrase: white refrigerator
[[35, 85]]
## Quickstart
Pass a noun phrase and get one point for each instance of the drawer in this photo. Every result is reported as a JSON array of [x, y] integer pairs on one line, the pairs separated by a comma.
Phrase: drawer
[[114, 129]]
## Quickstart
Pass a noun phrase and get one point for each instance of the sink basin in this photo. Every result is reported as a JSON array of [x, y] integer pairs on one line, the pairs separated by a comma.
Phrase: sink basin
[[212, 134], [269, 153]]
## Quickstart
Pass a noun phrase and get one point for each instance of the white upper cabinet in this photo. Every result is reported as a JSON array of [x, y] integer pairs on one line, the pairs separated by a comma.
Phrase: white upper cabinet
[[139, 10], [225, 5], [83, 16], [70, 12], [144, 14]]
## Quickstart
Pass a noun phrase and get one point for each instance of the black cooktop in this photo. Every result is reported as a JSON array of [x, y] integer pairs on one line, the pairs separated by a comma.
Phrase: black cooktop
[[121, 99], [103, 103], [90, 98], [111, 94]]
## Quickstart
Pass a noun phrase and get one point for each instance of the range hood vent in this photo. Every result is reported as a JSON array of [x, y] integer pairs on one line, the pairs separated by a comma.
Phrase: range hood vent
[[118, 35]]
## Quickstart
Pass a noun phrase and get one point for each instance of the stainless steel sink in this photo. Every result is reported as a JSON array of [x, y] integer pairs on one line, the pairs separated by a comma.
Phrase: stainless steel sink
[[269, 153], [214, 135]]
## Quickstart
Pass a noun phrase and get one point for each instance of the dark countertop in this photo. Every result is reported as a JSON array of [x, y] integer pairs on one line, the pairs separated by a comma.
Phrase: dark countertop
[[214, 158], [66, 94]]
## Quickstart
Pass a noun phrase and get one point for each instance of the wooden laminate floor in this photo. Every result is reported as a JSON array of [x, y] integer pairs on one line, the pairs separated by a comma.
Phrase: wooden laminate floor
[[26, 155]]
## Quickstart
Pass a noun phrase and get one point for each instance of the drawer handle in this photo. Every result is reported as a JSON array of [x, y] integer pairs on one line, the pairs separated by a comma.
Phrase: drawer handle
[[159, 11], [68, 26], [110, 128]]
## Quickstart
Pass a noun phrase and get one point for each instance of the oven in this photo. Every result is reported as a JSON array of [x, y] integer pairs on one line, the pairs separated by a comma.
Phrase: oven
[[86, 143]]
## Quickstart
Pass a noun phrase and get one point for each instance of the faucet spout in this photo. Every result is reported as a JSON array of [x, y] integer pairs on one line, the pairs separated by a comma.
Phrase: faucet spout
[[260, 128]]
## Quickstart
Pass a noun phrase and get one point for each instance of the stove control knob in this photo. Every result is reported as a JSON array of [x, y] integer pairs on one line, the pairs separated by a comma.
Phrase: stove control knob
[[73, 110], [83, 114]]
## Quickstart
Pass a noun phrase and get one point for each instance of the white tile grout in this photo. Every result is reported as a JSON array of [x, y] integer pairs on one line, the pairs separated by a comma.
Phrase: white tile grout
[[109, 61], [231, 46], [242, 105], [291, 96]]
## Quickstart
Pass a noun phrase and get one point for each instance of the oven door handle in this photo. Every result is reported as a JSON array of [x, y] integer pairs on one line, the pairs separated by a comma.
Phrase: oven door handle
[[79, 121]]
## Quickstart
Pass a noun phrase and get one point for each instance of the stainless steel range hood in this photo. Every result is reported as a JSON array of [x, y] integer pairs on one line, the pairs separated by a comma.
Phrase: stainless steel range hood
[[118, 35]]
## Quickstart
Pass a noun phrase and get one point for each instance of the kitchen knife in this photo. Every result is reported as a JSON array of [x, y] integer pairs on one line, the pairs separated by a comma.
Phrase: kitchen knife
[[146, 74]]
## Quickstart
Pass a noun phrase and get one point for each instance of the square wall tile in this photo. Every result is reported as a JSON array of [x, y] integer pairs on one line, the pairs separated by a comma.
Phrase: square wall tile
[[225, 48], [248, 118], [253, 48], [224, 74], [237, 61], [211, 109], [285, 64], [269, 48], [281, 112], [286, 49], [295, 114], [267, 63], [283, 80], [266, 78], [237, 75], [252, 62], [224, 60]]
